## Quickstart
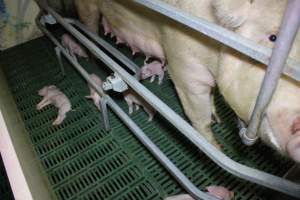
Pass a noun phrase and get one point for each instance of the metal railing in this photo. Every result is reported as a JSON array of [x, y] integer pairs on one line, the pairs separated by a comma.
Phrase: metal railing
[[244, 172], [260, 53]]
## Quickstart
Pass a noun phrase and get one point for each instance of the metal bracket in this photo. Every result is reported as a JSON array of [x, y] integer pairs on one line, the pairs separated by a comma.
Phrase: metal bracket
[[245, 139], [115, 82], [243, 134], [59, 58], [49, 19]]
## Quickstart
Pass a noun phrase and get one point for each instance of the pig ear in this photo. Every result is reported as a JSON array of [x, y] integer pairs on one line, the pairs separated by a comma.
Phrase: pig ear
[[231, 13]]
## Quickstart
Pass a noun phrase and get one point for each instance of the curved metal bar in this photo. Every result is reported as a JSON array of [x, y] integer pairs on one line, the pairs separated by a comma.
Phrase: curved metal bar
[[235, 168], [283, 45]]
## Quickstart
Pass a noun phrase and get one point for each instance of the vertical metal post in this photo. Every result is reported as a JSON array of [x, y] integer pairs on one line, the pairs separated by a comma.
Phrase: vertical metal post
[[58, 55], [104, 113], [286, 37]]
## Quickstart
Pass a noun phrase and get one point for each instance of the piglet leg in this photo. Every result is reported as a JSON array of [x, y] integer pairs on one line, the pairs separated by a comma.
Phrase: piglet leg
[[97, 104], [152, 79], [59, 119], [43, 103], [130, 105], [160, 78], [150, 112]]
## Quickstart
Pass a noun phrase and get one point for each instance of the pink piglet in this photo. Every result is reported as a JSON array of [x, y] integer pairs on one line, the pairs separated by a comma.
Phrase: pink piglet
[[93, 94], [132, 98], [52, 95], [73, 47], [153, 69]]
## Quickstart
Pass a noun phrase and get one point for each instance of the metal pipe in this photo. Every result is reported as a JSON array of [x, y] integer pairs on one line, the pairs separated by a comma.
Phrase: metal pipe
[[104, 113], [58, 55], [244, 172], [225, 36], [286, 37], [178, 175]]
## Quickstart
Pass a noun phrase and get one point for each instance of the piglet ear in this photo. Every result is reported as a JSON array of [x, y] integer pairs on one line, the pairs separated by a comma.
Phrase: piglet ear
[[231, 13]]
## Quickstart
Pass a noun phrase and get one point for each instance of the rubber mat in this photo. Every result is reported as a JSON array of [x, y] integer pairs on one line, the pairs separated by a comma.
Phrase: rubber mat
[[5, 190], [82, 161]]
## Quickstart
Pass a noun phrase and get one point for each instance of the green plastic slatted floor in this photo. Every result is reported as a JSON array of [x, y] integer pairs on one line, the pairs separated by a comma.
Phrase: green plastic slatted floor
[[5, 190], [83, 161]]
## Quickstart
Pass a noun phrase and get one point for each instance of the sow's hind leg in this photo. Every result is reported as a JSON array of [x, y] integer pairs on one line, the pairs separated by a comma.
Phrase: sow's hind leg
[[193, 83], [197, 106]]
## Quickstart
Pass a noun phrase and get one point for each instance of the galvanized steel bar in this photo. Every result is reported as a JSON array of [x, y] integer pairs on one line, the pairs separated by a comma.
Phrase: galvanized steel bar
[[283, 45], [244, 172], [229, 38]]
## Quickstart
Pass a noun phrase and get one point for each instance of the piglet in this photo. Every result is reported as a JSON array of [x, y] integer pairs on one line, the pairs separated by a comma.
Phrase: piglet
[[73, 47], [219, 192], [180, 197], [93, 94], [151, 70], [132, 98], [52, 95]]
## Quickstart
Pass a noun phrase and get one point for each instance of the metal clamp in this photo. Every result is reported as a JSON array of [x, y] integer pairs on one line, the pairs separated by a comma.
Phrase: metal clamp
[[115, 82], [246, 139], [49, 19], [243, 134]]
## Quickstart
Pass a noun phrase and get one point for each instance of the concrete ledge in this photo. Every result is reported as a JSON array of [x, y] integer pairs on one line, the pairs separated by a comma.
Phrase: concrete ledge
[[25, 173]]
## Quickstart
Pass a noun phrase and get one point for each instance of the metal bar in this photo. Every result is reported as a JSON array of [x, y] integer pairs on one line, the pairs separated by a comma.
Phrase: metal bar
[[283, 45], [235, 168], [178, 175], [103, 106], [229, 38], [112, 50], [58, 55]]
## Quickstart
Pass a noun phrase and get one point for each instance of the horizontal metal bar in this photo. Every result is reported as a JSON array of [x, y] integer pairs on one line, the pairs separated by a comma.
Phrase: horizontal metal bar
[[229, 38], [178, 175], [235, 168]]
